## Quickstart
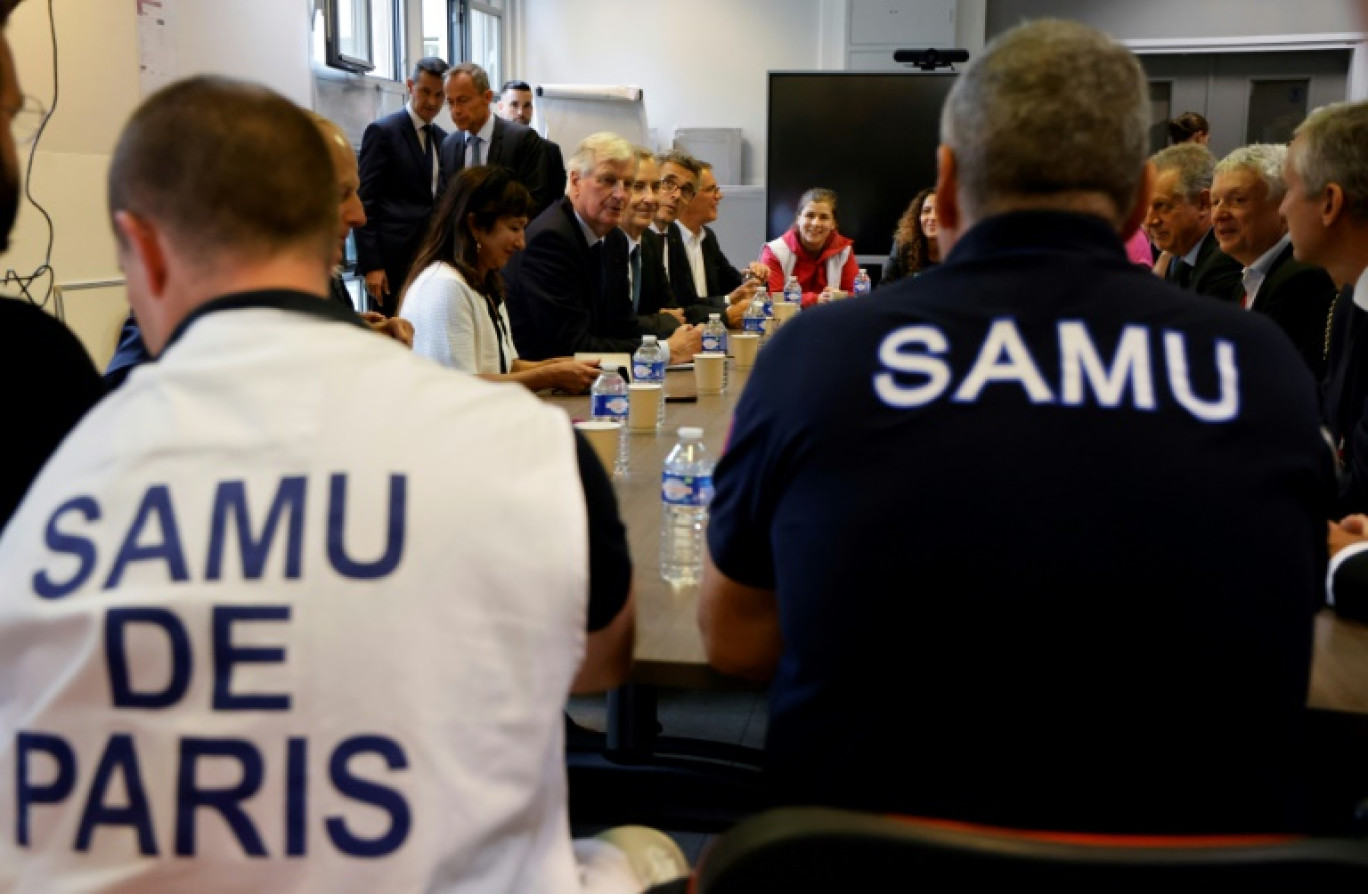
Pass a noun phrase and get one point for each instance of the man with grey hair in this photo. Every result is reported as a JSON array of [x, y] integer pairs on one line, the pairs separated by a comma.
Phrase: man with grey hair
[[483, 138], [561, 298], [1179, 222], [1326, 208], [931, 544], [1245, 195]]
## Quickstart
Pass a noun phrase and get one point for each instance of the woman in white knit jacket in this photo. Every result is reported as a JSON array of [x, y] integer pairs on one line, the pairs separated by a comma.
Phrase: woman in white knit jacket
[[454, 296]]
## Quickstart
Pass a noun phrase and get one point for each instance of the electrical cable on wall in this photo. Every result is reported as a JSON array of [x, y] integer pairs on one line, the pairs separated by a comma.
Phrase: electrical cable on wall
[[25, 282]]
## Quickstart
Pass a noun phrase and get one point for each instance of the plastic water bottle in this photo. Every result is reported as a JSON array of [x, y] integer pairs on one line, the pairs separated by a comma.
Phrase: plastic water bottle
[[715, 340], [685, 491], [608, 403], [862, 284], [648, 365], [754, 319], [793, 293]]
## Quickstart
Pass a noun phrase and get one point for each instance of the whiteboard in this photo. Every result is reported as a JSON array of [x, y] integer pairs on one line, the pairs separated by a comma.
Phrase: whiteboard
[[567, 113]]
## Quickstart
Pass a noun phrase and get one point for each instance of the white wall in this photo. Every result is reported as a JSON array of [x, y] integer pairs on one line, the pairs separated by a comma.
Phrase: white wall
[[701, 63], [266, 40]]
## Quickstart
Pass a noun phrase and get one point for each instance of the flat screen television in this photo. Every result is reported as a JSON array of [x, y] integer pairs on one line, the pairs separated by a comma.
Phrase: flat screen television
[[870, 136]]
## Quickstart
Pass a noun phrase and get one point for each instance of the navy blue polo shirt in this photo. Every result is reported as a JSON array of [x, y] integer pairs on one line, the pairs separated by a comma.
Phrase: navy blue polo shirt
[[1047, 536]]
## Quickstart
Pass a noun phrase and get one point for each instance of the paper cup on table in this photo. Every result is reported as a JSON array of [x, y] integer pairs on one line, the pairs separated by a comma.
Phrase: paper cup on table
[[708, 369], [744, 345], [784, 311], [644, 406], [603, 437]]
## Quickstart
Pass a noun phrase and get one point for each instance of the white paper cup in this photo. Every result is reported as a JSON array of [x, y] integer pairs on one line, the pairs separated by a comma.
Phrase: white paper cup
[[744, 346], [708, 372], [603, 437], [784, 311], [644, 406]]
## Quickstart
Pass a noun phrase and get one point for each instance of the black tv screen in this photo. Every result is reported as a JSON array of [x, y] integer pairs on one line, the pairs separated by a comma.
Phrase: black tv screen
[[872, 137]]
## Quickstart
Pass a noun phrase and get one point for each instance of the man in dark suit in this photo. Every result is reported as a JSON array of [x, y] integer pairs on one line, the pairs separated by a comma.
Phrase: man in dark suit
[[1326, 209], [704, 281], [1245, 194], [1179, 222], [486, 139], [399, 179], [560, 298], [638, 266], [515, 104]]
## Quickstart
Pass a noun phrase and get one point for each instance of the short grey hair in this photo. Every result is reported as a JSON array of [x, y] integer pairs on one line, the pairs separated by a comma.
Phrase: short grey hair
[[1195, 164], [597, 148], [680, 158], [1047, 108], [1263, 159], [1331, 146], [478, 76]]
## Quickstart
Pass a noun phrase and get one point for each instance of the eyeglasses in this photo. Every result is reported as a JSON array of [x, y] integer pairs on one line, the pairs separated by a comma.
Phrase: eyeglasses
[[26, 120], [670, 184], [712, 190]]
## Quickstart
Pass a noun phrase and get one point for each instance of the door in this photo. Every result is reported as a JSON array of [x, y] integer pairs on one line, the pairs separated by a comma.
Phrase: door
[[1247, 97]]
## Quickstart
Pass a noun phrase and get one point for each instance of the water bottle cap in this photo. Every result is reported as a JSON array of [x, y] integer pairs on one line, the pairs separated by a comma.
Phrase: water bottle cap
[[862, 270], [793, 279], [690, 433], [648, 339], [714, 318]]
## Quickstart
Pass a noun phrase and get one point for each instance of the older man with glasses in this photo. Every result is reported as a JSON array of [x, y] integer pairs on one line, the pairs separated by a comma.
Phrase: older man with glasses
[[53, 381]]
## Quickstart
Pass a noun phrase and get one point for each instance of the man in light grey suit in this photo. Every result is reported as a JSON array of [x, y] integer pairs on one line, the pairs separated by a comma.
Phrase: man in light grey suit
[[486, 139]]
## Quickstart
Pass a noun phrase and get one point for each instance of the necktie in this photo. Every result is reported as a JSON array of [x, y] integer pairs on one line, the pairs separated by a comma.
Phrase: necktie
[[636, 276], [427, 155], [475, 150], [1179, 272]]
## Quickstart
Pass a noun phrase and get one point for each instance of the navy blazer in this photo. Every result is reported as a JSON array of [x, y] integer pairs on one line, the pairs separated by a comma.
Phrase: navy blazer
[[396, 190], [555, 171], [511, 145], [1298, 297], [1216, 274], [559, 298], [1344, 394], [722, 277], [655, 288]]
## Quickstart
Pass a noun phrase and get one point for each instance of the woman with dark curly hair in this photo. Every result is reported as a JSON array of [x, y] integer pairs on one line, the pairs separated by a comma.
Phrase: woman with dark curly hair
[[916, 245]]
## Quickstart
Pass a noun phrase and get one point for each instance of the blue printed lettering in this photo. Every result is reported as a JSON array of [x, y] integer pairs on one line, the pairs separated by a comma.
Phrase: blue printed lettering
[[61, 542], [29, 792], [1079, 362], [1225, 407], [122, 694], [296, 797], [368, 793], [1004, 358], [156, 502], [892, 355], [394, 528], [230, 499], [119, 755], [226, 655], [227, 801]]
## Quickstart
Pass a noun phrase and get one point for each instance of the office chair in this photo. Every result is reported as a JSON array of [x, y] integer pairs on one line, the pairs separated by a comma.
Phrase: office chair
[[818, 849]]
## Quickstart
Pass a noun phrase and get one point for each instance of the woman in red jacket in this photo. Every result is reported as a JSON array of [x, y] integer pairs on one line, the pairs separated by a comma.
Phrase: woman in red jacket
[[812, 250]]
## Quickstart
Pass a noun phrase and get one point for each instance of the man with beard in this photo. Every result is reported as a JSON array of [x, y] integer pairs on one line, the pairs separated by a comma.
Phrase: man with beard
[[56, 382]]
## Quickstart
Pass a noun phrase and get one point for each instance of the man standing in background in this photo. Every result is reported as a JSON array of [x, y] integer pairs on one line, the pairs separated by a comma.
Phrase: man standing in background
[[515, 104], [486, 139], [399, 180]]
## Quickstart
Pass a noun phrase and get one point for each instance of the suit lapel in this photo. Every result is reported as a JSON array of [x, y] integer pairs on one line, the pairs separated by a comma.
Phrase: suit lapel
[[410, 137], [494, 151], [681, 272]]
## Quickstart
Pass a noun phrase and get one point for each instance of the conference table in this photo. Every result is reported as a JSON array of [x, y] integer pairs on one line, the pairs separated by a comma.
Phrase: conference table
[[707, 785], [669, 650]]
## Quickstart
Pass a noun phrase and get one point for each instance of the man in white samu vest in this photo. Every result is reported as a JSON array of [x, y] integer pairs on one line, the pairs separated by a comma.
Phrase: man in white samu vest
[[263, 626]]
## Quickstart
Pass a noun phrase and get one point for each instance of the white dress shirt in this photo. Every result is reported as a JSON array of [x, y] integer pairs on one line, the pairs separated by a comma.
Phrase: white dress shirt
[[418, 125]]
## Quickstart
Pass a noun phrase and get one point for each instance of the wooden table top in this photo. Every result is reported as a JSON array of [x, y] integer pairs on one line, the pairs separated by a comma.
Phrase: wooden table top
[[669, 649]]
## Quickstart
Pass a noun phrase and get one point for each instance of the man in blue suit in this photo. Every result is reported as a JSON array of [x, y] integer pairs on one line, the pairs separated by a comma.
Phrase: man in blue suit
[[486, 139], [400, 174]]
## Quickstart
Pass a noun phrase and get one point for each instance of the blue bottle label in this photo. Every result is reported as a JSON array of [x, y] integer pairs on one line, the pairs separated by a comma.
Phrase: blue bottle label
[[755, 324], [712, 343], [653, 371], [686, 490], [614, 405]]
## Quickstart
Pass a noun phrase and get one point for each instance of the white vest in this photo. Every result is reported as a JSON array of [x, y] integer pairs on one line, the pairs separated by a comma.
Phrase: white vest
[[366, 697], [787, 260]]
